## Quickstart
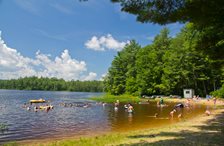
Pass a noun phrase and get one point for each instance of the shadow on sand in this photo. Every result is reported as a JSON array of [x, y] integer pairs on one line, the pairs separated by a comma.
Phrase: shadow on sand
[[210, 134]]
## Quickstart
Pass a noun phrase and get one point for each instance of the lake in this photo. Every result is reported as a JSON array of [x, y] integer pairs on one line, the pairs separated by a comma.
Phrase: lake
[[74, 119]]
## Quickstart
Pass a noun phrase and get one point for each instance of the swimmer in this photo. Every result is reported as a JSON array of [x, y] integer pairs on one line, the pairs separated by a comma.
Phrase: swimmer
[[214, 100], [179, 105], [103, 103], [207, 112], [28, 108], [35, 108], [125, 106], [130, 108], [180, 116], [172, 112], [116, 104], [156, 115]]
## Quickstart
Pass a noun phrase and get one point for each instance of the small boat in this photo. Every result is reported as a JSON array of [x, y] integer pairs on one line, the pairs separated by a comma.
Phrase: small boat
[[37, 101]]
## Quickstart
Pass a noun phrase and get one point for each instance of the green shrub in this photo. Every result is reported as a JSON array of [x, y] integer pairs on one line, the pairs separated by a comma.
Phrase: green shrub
[[219, 93], [113, 98]]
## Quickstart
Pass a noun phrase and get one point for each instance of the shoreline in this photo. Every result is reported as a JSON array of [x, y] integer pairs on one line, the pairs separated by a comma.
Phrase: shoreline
[[186, 128]]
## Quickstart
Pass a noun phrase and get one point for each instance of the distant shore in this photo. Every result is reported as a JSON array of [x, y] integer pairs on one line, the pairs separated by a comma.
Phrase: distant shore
[[200, 130]]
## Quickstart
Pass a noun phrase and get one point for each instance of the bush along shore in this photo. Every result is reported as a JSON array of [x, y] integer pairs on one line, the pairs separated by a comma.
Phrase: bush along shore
[[108, 98]]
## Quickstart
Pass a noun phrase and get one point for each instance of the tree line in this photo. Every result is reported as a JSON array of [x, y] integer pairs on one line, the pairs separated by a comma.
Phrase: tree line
[[166, 66], [51, 84]]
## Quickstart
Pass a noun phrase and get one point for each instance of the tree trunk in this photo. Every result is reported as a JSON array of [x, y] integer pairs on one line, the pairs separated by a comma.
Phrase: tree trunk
[[205, 91]]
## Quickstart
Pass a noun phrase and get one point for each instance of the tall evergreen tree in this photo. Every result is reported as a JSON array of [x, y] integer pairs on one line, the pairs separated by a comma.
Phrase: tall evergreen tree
[[122, 73]]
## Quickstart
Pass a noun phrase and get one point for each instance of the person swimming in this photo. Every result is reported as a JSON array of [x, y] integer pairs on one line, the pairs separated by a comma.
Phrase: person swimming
[[28, 108], [156, 115], [207, 112], [179, 105]]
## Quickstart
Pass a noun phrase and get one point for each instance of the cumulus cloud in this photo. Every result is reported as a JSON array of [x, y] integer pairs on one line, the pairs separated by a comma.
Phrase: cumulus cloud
[[103, 76], [15, 65], [91, 76], [105, 42]]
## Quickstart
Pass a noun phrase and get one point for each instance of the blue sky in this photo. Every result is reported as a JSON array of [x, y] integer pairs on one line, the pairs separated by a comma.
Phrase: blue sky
[[66, 38]]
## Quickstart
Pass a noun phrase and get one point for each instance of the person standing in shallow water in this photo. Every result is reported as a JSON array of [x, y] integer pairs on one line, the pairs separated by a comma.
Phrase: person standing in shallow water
[[172, 113], [161, 102], [116, 104], [214, 99], [130, 108]]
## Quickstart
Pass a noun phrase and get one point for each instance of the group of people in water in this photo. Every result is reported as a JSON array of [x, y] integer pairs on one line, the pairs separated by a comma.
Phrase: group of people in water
[[128, 107], [78, 104], [188, 104], [37, 107], [175, 111], [47, 107]]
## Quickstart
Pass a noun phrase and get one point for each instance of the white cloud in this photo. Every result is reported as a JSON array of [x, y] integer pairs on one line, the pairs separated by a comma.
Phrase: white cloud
[[14, 65], [105, 42], [103, 76], [91, 76]]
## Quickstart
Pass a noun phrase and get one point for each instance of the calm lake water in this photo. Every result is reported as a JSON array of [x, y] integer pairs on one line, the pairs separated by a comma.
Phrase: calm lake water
[[77, 120]]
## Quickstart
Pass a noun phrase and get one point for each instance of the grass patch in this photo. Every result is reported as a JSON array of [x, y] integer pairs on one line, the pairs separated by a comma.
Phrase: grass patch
[[11, 144], [112, 98], [98, 141]]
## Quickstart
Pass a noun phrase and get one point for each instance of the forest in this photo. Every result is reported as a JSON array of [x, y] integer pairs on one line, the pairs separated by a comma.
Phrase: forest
[[51, 84], [166, 66]]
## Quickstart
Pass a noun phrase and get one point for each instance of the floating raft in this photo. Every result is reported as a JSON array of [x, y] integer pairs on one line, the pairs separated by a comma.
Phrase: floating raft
[[37, 101]]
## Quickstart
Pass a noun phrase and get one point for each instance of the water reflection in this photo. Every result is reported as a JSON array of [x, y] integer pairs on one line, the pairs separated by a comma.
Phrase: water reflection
[[75, 119]]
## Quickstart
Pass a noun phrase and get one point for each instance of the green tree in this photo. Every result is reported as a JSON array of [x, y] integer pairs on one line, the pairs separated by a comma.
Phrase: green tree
[[122, 73], [150, 65]]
